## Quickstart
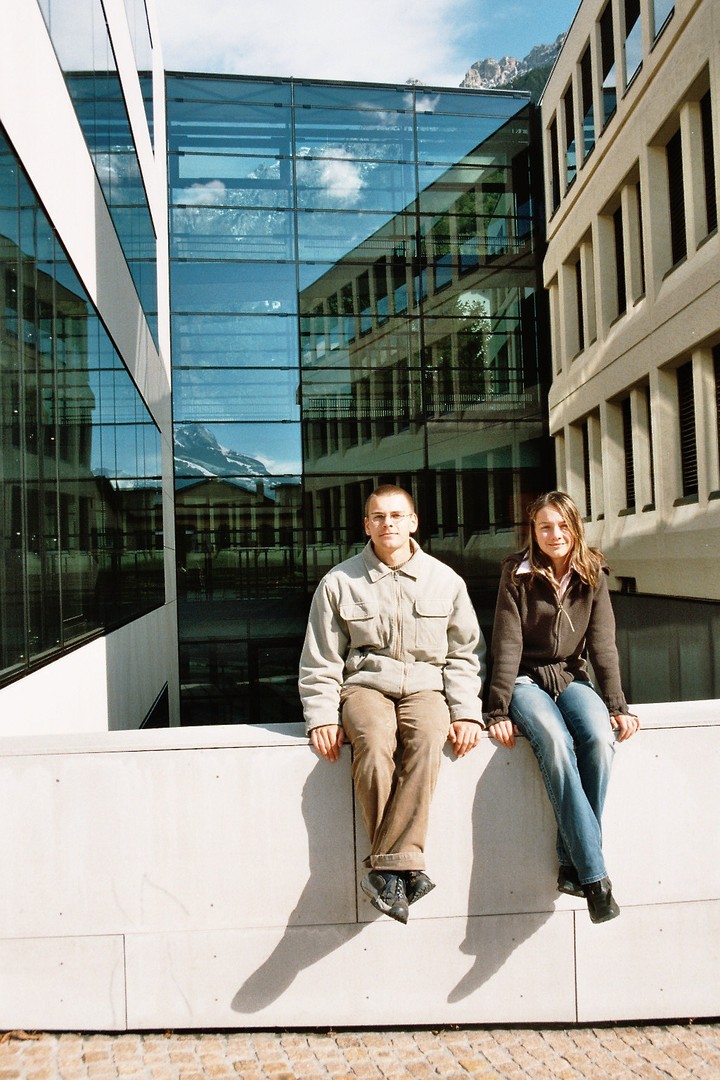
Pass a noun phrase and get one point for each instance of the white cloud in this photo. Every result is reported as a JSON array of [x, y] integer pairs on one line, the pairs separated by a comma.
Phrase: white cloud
[[378, 41], [339, 178]]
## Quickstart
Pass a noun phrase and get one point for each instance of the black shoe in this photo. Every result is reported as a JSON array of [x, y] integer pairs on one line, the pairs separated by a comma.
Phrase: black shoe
[[600, 902], [569, 882], [387, 893], [417, 885]]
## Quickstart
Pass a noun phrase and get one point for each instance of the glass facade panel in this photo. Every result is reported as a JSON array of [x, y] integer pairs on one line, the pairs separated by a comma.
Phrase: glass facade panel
[[363, 134], [404, 341], [210, 127], [224, 180], [234, 340], [80, 38], [202, 232], [81, 535], [219, 89], [233, 288], [235, 394], [325, 183]]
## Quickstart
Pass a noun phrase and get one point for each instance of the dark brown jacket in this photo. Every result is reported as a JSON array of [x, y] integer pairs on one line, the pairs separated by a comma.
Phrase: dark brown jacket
[[536, 634]]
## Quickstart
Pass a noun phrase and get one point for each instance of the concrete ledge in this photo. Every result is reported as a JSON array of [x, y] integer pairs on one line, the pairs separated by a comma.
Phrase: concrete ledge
[[207, 877]]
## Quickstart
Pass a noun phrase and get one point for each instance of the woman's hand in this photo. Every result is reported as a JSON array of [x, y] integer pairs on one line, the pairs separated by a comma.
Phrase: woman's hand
[[504, 732], [328, 740], [625, 725]]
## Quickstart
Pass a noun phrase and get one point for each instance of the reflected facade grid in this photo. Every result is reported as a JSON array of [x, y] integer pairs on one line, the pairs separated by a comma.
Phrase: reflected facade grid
[[355, 299]]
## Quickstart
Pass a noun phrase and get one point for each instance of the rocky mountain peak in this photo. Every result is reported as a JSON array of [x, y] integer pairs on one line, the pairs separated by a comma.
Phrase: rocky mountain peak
[[492, 74]]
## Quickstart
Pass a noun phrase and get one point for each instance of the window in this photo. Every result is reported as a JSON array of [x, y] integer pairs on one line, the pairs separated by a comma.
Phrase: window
[[619, 262], [651, 451], [688, 434], [641, 243], [633, 40], [579, 300], [586, 102], [676, 188], [708, 161], [554, 169], [607, 57], [570, 150], [626, 408], [662, 11], [586, 469], [716, 367]]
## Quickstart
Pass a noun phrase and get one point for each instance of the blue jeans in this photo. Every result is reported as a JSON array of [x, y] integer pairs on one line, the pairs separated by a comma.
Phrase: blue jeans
[[574, 744]]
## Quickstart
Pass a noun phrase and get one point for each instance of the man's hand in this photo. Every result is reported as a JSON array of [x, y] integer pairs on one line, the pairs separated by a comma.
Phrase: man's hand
[[504, 732], [328, 740], [625, 724], [464, 735]]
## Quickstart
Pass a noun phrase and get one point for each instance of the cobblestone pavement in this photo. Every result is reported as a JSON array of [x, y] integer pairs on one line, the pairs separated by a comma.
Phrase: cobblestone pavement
[[661, 1050]]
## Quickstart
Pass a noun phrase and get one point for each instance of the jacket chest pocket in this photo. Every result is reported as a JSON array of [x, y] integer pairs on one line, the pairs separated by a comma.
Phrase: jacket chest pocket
[[431, 623], [363, 624]]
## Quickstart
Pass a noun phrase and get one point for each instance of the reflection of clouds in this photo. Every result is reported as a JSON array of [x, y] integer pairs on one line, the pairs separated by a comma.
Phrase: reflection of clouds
[[336, 174], [212, 193], [422, 102]]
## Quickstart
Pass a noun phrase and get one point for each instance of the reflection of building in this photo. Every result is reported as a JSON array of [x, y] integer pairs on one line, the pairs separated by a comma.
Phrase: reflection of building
[[354, 288], [84, 522], [630, 116]]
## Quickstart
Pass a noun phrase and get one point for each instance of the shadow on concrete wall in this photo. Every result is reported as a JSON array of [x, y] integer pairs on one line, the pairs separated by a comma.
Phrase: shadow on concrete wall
[[304, 941], [494, 848]]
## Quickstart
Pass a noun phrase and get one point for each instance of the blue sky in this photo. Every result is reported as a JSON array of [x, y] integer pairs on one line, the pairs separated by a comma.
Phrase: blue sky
[[434, 41]]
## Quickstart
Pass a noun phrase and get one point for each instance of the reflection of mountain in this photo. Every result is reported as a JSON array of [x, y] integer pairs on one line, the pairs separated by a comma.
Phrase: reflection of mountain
[[198, 453]]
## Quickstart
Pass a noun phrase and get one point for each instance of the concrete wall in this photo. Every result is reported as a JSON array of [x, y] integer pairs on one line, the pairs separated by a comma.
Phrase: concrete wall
[[114, 679], [191, 878]]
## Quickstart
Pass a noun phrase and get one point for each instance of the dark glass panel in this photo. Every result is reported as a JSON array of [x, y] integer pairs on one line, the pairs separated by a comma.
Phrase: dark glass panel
[[234, 340], [336, 183], [222, 180], [364, 135], [233, 288], [216, 128], [202, 232], [400, 341], [221, 90], [461, 139], [237, 450], [320, 282], [214, 394]]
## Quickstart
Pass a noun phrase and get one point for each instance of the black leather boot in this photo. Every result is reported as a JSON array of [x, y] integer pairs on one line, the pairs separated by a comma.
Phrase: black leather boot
[[600, 901]]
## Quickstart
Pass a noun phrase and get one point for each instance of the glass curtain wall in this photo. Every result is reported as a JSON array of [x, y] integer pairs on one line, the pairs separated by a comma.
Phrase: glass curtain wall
[[81, 541], [354, 293], [81, 41]]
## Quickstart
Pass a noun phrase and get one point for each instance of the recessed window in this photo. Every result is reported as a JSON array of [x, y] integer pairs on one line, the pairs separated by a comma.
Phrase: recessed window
[[708, 161], [586, 102], [676, 192], [633, 40], [607, 57], [688, 433]]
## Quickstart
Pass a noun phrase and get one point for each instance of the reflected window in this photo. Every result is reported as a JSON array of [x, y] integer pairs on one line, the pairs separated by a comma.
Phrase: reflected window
[[82, 535]]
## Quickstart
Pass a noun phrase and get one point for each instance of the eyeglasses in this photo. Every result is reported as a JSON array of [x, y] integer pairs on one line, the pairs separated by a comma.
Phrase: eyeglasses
[[394, 518]]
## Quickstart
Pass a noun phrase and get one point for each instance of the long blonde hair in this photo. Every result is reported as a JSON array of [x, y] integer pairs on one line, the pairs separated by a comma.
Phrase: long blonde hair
[[587, 561]]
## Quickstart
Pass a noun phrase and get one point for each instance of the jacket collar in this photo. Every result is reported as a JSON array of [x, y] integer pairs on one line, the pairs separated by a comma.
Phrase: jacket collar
[[377, 569]]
